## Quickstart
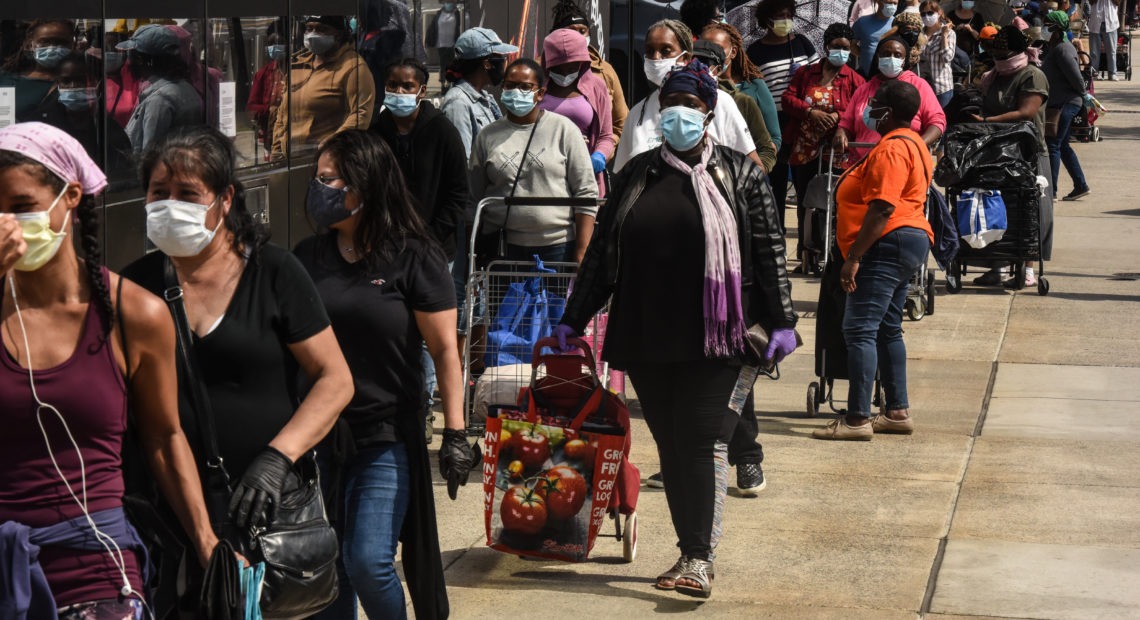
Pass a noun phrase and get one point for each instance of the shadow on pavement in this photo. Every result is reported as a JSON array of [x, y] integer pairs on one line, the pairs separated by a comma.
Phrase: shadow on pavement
[[1095, 297]]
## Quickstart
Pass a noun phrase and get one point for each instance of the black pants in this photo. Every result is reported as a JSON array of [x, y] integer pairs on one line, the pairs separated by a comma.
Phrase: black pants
[[744, 447], [779, 175], [801, 176], [686, 408]]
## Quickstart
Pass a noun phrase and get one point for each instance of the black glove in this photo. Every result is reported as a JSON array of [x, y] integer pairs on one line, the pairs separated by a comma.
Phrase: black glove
[[259, 490], [456, 459]]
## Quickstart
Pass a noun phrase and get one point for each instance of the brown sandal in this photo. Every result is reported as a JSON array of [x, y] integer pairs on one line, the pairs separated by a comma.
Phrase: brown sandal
[[668, 579]]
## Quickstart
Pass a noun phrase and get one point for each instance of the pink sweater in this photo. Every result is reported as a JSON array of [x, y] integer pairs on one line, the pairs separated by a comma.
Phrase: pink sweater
[[930, 114]]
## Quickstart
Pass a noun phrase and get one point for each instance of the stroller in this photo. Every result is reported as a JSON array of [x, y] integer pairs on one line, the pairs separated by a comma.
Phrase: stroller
[[1002, 157], [1084, 128]]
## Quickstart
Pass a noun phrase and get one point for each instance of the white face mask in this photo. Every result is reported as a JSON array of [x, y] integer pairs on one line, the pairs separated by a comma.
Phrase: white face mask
[[657, 70], [564, 79], [178, 228], [930, 20]]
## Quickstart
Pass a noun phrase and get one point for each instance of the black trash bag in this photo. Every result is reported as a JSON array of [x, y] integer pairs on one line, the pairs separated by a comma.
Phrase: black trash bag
[[967, 100], [989, 155]]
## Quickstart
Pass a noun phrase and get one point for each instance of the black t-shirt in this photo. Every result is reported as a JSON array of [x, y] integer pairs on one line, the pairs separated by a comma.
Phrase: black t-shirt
[[966, 42], [245, 362], [657, 313], [373, 317]]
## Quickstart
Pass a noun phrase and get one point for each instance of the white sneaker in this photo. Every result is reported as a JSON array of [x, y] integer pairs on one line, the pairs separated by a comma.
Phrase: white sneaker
[[1116, 78], [1030, 277]]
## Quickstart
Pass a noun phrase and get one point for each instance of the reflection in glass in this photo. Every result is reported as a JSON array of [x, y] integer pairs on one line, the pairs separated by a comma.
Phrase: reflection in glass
[[32, 68], [158, 55], [330, 88], [440, 36]]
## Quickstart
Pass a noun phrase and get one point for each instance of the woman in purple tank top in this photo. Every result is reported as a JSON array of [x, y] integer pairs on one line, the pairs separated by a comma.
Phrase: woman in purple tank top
[[67, 373], [573, 91]]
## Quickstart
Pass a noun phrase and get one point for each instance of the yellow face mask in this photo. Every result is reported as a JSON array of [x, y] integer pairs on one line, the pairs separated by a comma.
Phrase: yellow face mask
[[43, 242]]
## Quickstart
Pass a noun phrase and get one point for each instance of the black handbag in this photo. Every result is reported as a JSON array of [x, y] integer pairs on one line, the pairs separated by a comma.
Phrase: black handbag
[[222, 598], [299, 546]]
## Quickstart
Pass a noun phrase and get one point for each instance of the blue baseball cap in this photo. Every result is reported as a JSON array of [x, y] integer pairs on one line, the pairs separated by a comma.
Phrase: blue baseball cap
[[153, 40], [480, 43]]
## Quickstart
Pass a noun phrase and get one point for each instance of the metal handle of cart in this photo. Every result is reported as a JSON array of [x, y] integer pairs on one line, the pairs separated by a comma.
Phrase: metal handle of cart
[[830, 215], [519, 201]]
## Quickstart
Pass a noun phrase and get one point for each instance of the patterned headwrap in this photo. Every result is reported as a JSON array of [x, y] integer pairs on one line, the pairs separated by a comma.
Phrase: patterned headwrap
[[55, 150], [695, 79]]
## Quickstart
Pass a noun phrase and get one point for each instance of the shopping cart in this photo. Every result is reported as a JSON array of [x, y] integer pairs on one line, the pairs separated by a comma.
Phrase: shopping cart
[[510, 306]]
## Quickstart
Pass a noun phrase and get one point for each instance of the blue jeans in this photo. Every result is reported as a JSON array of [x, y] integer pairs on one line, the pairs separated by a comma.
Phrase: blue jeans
[[376, 495], [872, 324], [1061, 152], [944, 98]]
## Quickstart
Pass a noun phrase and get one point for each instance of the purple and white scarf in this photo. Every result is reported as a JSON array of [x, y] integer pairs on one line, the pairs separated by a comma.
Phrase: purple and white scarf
[[724, 315]]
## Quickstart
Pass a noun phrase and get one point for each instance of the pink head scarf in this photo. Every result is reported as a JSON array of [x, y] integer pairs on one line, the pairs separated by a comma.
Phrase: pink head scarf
[[56, 151], [564, 46]]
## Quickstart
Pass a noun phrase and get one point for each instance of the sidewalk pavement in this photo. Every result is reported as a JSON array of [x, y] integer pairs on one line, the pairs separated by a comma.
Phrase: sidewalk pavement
[[1017, 497]]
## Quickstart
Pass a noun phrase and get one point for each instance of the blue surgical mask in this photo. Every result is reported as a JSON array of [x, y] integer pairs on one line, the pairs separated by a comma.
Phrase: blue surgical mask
[[449, 6], [76, 98], [682, 127], [838, 58], [871, 122], [50, 57], [275, 52], [113, 61], [326, 205], [889, 10], [967, 4], [401, 105], [517, 102], [890, 66]]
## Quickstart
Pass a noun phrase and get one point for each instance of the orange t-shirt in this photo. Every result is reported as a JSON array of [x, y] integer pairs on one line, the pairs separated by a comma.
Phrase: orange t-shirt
[[898, 171]]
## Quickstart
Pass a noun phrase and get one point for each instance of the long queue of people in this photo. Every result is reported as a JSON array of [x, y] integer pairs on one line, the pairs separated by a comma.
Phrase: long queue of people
[[326, 358]]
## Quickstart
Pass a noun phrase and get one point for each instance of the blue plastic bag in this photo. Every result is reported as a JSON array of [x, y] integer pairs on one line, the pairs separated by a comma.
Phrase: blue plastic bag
[[527, 313], [981, 217]]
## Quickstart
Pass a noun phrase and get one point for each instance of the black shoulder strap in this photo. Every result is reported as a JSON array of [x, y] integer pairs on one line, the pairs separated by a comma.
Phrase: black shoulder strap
[[123, 330], [204, 413]]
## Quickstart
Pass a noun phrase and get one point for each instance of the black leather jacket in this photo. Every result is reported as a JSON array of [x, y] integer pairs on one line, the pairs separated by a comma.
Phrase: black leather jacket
[[767, 293]]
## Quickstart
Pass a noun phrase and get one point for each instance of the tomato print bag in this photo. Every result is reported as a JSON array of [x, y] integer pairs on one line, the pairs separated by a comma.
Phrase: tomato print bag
[[551, 463]]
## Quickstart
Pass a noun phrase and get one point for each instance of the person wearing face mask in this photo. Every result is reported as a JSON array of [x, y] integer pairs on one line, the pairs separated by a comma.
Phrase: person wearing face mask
[[169, 100], [1067, 95], [883, 237], [33, 68], [669, 45], [121, 89], [480, 65], [968, 26], [95, 345], [532, 152], [330, 88], [691, 226], [430, 155], [712, 55], [573, 91], [817, 98], [441, 34], [255, 319], [869, 32], [268, 88], [746, 76], [938, 55], [891, 65], [779, 54], [370, 232], [567, 14], [74, 107], [1015, 91]]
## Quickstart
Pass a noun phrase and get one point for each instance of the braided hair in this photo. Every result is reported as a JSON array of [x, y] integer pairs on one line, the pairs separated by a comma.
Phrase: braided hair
[[741, 66], [567, 13], [88, 234], [679, 30]]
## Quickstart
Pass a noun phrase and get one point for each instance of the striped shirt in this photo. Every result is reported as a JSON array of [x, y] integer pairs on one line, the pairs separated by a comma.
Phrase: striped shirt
[[779, 62], [934, 65]]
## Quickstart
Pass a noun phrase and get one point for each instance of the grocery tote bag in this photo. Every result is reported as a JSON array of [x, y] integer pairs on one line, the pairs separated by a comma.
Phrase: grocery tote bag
[[981, 217], [551, 463]]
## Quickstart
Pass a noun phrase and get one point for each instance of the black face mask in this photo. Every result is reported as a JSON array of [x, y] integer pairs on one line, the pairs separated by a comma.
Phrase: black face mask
[[497, 69], [325, 205]]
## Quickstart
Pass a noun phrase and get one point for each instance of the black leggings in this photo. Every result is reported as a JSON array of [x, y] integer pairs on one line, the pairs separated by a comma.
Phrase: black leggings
[[686, 408]]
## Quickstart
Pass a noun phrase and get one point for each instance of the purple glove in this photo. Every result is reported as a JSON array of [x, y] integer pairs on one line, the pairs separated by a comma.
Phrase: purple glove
[[781, 344], [599, 162], [564, 331]]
